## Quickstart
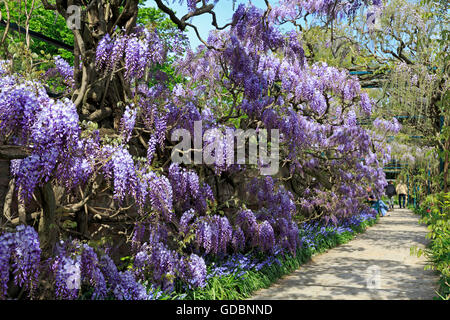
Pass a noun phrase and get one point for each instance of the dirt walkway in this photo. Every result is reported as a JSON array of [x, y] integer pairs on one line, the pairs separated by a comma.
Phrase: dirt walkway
[[375, 265]]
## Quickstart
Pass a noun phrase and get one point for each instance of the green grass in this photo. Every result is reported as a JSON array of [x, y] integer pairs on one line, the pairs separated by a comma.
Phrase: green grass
[[434, 213]]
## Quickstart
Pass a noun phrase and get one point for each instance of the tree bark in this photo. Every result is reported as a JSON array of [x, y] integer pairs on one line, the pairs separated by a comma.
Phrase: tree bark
[[8, 200], [22, 211], [96, 95], [10, 152], [48, 227]]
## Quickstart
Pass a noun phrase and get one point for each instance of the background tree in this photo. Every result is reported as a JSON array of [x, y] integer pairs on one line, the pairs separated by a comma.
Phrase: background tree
[[401, 51]]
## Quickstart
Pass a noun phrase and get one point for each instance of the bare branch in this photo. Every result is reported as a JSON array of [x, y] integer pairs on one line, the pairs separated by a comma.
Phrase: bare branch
[[49, 6], [10, 152], [180, 24], [8, 18]]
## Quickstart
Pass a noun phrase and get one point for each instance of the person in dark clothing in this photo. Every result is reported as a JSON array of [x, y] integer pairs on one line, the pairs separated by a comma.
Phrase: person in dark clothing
[[371, 199], [390, 193]]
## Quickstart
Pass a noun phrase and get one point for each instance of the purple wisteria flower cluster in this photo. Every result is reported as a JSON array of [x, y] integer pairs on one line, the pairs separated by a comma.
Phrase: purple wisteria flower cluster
[[127, 122], [270, 228], [4, 67], [119, 167], [163, 266], [316, 107], [188, 190], [65, 70], [49, 128], [138, 50], [258, 79], [213, 234], [292, 10], [20, 259], [76, 266]]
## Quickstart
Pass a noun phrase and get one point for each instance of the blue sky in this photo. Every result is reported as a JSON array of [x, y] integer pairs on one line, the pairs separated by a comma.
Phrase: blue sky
[[223, 9]]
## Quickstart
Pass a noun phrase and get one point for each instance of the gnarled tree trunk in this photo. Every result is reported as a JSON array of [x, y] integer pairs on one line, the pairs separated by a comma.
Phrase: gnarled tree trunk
[[96, 95], [48, 224]]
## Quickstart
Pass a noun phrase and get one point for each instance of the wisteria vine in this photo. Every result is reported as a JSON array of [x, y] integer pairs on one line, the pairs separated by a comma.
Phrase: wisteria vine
[[252, 75]]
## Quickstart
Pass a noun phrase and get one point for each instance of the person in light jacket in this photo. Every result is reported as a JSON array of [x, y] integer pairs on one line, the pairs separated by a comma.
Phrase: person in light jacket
[[401, 190]]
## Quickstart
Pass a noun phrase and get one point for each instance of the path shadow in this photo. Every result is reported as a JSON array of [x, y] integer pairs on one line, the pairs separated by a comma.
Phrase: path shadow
[[345, 274], [349, 278], [395, 239]]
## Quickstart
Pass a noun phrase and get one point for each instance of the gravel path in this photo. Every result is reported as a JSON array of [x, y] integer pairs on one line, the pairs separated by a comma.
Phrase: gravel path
[[375, 265]]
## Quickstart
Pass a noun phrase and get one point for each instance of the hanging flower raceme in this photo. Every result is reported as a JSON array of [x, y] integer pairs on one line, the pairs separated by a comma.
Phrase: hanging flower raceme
[[20, 103], [213, 235], [315, 107], [120, 168], [138, 51], [76, 265], [189, 192], [65, 70], [386, 126], [163, 265], [20, 255], [272, 226], [4, 67], [127, 123], [194, 271], [50, 129], [288, 10]]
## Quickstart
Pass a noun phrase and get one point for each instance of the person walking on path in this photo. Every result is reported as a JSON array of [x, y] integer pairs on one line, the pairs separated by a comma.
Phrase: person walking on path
[[390, 193], [401, 190]]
